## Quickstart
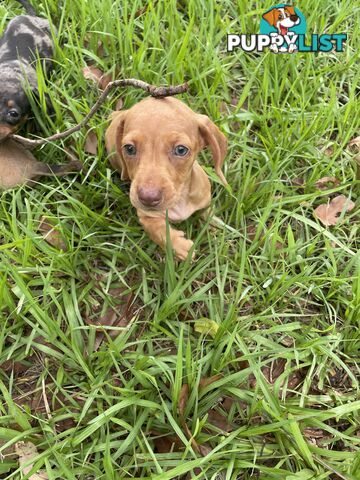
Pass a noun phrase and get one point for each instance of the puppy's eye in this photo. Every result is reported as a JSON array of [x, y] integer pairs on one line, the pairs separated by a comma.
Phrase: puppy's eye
[[280, 17], [13, 114], [180, 150], [129, 149]]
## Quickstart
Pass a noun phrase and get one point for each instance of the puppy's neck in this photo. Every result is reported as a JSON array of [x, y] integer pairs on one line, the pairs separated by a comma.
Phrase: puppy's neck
[[195, 195]]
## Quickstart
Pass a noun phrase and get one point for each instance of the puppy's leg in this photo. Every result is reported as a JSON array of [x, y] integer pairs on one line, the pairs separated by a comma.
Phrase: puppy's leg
[[155, 227]]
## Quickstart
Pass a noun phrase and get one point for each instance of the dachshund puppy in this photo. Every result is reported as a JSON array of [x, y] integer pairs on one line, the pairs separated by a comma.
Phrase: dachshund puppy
[[154, 145], [26, 38]]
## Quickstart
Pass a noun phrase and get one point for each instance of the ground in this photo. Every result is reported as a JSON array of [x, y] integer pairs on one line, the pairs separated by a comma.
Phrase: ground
[[120, 362]]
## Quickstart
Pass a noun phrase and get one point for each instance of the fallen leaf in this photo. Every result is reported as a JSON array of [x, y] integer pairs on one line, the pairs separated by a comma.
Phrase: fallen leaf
[[329, 213], [91, 143], [183, 398], [119, 104], [287, 341], [328, 151], [100, 51], [354, 144], [204, 382], [92, 73], [105, 80], [168, 444], [52, 236], [117, 316], [273, 372], [227, 403], [298, 182], [223, 108], [27, 452], [204, 449], [251, 231], [206, 326], [310, 432], [219, 420], [323, 183]]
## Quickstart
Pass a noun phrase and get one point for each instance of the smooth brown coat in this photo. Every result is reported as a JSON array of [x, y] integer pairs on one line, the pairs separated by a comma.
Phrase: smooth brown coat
[[161, 179]]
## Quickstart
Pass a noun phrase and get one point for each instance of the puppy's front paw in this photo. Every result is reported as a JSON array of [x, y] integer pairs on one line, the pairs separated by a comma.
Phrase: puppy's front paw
[[181, 245]]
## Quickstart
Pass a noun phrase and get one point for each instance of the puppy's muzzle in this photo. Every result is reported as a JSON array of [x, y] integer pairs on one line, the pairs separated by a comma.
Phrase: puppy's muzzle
[[294, 18], [150, 196]]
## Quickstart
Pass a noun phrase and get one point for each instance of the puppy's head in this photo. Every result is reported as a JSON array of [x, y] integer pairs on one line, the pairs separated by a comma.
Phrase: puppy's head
[[14, 108], [157, 142], [282, 18]]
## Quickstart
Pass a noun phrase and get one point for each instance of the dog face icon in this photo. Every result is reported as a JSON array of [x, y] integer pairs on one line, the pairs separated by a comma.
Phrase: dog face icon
[[282, 18]]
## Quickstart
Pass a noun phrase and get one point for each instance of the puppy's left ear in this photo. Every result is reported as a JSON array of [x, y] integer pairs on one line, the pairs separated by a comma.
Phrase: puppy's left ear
[[211, 136]]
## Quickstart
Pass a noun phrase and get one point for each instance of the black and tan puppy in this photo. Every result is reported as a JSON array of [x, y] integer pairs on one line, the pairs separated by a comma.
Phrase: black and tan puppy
[[26, 39]]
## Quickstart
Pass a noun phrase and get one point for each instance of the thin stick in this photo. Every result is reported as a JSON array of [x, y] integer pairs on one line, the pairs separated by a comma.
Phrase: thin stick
[[154, 91]]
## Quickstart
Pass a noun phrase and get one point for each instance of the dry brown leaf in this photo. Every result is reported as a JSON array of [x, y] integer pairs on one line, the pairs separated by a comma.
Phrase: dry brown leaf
[[92, 73], [91, 143], [105, 80], [52, 236], [204, 382], [218, 420], [100, 51], [183, 398], [251, 231], [204, 449], [272, 372], [328, 152], [323, 183], [310, 432], [227, 403], [223, 108], [354, 144], [27, 452], [298, 182], [119, 104], [114, 316], [329, 213], [168, 444]]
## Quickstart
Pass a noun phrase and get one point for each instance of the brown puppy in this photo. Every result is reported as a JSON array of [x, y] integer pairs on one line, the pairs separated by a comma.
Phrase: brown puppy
[[154, 145], [19, 166]]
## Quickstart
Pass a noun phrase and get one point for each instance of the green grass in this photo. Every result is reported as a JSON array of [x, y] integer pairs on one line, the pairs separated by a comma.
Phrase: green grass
[[283, 290]]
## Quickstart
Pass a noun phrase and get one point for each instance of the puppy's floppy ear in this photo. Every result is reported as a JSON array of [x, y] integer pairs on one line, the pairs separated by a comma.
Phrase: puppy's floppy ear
[[113, 142], [270, 17], [211, 136]]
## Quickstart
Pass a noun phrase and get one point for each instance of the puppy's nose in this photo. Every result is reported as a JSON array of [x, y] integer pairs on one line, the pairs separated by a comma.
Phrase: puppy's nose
[[149, 196], [293, 18]]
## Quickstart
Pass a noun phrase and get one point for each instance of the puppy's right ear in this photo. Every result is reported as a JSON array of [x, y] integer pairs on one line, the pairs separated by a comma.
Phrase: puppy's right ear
[[113, 142], [270, 17]]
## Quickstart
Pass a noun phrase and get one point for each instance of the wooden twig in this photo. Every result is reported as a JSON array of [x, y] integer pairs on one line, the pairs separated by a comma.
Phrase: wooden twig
[[154, 91]]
